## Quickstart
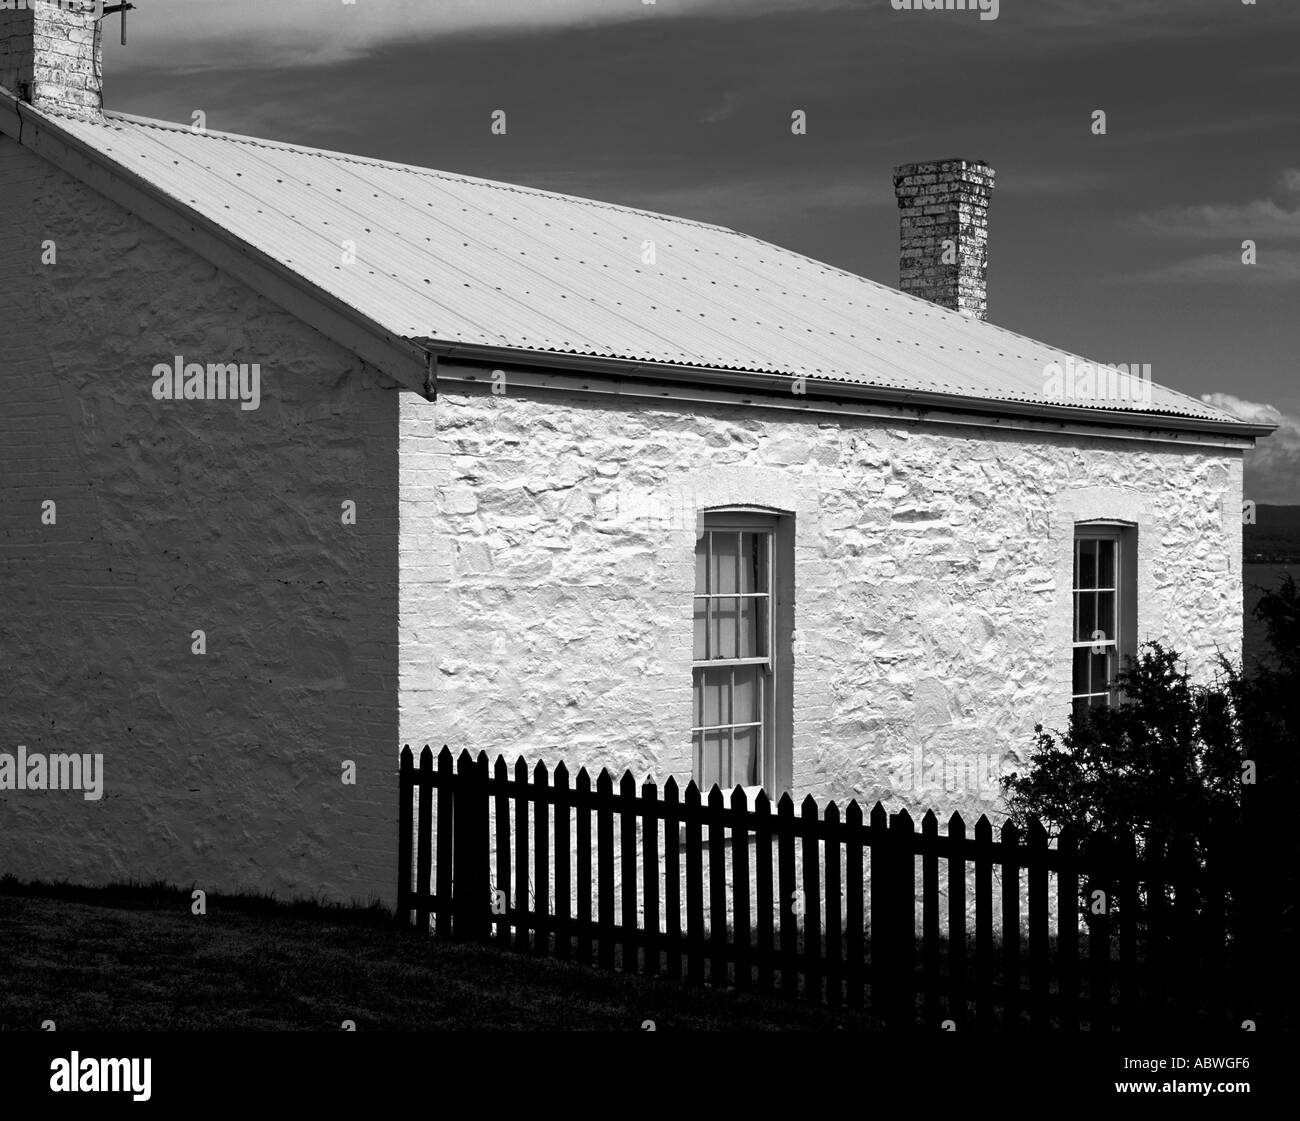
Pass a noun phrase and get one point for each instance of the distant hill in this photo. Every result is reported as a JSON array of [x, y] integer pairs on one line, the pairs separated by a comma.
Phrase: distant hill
[[1275, 536]]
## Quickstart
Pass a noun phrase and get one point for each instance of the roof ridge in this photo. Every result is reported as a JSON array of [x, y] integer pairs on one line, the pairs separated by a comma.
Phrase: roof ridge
[[111, 116]]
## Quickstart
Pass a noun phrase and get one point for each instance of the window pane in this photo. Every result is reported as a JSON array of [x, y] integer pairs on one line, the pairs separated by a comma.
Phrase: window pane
[[752, 575], [1081, 657], [1093, 673], [702, 564], [722, 638], [1085, 575], [744, 758], [1101, 671], [701, 650], [1105, 564], [753, 628], [710, 771], [726, 556], [715, 687], [744, 696], [1106, 613], [1085, 615]]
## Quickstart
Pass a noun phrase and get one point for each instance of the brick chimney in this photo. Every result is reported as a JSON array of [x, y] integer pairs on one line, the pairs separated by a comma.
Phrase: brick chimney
[[50, 54], [945, 201]]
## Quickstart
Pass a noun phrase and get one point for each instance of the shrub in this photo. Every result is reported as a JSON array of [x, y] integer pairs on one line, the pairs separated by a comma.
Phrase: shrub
[[1166, 761], [1188, 762]]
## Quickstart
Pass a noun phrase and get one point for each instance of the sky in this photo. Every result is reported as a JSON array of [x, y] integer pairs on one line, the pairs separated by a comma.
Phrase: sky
[[1124, 247]]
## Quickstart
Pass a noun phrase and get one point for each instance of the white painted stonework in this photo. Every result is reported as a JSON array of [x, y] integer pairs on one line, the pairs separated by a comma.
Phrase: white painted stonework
[[547, 571], [222, 770]]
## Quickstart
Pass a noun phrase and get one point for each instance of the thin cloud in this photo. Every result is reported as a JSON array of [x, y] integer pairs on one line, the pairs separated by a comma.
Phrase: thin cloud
[[1273, 466], [213, 36], [1272, 267], [1276, 215], [723, 110]]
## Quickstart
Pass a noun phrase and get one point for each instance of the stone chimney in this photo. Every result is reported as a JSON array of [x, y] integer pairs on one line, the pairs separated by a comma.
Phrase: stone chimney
[[50, 54], [944, 254]]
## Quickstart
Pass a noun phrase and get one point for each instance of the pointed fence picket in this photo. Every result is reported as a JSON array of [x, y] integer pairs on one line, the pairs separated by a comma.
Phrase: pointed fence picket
[[819, 904]]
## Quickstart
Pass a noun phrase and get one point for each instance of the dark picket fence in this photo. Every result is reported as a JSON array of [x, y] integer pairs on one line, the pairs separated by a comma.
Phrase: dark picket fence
[[1157, 948]]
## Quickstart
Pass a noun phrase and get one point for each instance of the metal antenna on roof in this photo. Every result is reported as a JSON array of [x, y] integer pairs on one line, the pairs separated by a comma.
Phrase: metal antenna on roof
[[111, 9]]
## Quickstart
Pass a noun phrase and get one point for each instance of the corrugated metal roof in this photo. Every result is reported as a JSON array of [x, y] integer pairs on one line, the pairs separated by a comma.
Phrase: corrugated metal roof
[[453, 259]]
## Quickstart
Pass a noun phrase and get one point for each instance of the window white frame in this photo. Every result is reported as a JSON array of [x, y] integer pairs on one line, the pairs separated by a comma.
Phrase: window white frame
[[761, 530], [776, 766], [1119, 622]]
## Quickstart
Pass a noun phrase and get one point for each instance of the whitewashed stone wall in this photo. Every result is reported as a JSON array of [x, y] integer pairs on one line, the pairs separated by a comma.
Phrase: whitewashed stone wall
[[547, 571], [222, 770]]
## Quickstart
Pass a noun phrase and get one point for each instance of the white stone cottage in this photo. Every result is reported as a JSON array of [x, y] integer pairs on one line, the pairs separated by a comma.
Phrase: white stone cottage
[[432, 459]]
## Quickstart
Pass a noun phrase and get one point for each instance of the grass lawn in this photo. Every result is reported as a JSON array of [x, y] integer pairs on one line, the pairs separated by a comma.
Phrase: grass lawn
[[134, 957]]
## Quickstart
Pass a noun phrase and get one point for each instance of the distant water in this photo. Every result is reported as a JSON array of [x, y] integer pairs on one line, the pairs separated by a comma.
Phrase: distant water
[[1257, 578]]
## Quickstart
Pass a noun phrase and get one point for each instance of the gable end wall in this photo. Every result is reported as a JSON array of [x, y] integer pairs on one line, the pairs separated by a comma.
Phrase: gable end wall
[[221, 770]]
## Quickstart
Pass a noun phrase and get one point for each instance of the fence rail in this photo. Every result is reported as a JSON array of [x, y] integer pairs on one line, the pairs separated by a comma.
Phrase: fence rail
[[862, 912]]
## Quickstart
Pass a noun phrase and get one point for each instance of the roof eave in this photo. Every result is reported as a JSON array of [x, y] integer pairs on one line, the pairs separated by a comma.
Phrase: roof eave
[[921, 400]]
